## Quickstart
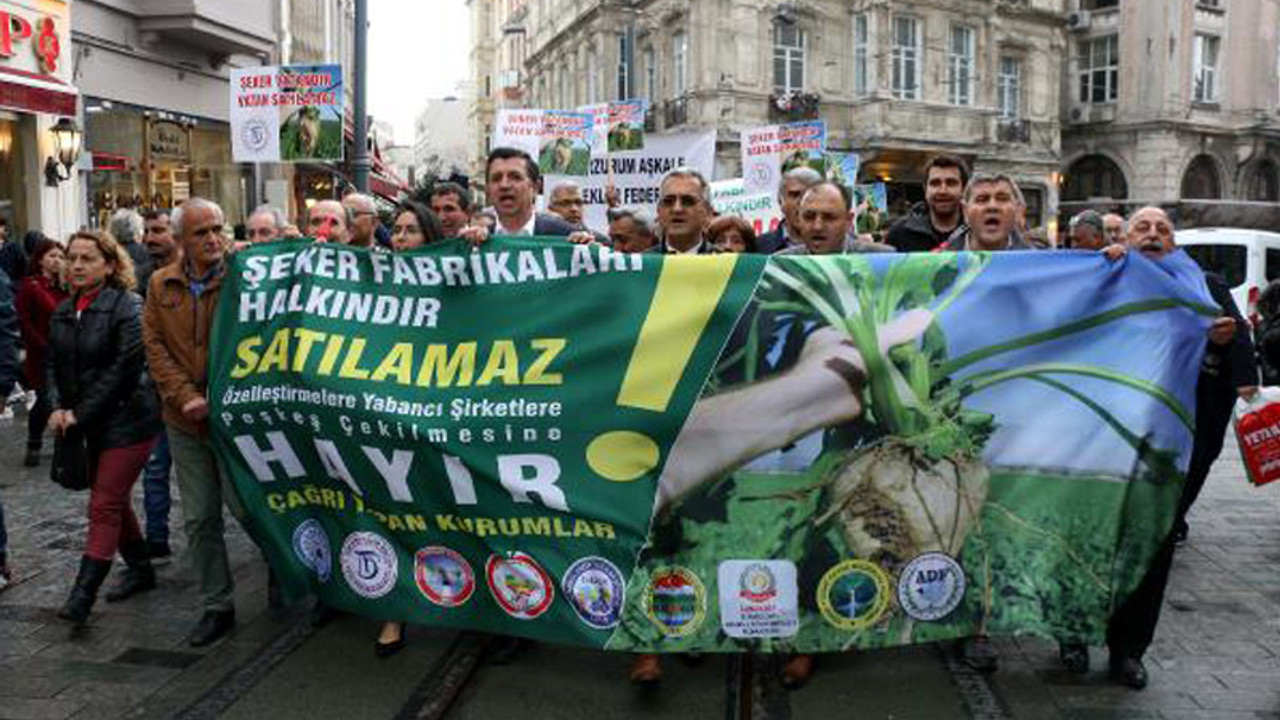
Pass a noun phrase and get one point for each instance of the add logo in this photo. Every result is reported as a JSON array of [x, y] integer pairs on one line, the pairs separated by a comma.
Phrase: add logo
[[443, 576], [853, 595], [757, 584], [520, 586], [311, 545], [676, 601], [596, 590], [370, 564], [931, 587]]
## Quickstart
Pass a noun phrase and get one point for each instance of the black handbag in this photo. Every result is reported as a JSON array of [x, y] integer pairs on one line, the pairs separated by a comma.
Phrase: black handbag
[[73, 464]]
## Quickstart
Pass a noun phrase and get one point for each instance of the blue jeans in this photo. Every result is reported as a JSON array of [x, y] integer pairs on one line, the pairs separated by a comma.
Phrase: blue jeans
[[155, 491]]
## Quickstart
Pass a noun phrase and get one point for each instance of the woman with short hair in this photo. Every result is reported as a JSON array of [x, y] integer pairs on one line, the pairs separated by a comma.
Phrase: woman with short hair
[[99, 389]]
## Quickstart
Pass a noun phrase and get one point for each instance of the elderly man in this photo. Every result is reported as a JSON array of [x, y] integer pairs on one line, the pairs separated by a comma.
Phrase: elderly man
[[177, 319], [265, 224], [364, 219], [127, 227], [992, 206], [1227, 373], [330, 221], [566, 201], [631, 230], [684, 209], [1113, 227], [452, 204], [514, 184], [1088, 231], [795, 183], [931, 223], [824, 224]]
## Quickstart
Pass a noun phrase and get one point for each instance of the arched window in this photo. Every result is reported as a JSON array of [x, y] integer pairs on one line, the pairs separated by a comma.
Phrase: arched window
[[1095, 176], [1263, 182], [1201, 181]]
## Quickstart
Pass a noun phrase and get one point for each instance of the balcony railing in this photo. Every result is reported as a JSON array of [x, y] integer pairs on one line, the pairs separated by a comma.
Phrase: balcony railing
[[1013, 131], [792, 106]]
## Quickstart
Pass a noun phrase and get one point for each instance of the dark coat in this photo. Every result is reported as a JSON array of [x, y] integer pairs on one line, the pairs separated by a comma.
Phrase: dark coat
[[773, 241], [97, 369], [915, 233], [1229, 366], [8, 337], [143, 265], [960, 240], [13, 261], [38, 297], [545, 224]]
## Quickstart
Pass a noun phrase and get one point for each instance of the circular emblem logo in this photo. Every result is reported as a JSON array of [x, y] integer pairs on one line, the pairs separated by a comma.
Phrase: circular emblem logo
[[521, 587], [853, 595], [676, 601], [757, 584], [931, 587], [596, 589], [443, 576], [369, 564], [254, 133], [311, 545], [761, 173]]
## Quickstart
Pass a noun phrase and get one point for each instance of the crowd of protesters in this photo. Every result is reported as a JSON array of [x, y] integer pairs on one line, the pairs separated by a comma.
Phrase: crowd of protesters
[[115, 326]]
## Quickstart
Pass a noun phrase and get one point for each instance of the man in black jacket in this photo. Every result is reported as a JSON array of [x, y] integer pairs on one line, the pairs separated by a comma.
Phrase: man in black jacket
[[931, 222], [795, 183], [1227, 372], [514, 185], [8, 375], [684, 209]]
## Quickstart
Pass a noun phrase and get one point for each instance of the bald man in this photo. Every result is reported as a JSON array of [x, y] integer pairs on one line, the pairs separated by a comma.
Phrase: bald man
[[330, 221], [1227, 373]]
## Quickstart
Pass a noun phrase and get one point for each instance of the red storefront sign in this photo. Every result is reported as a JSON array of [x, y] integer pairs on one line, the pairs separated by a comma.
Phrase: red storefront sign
[[34, 69]]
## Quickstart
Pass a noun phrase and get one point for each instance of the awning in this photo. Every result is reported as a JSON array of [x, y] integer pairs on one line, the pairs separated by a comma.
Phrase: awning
[[29, 93]]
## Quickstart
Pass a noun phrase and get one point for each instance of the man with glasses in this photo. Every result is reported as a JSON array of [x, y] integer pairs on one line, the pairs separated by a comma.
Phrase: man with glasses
[[684, 209]]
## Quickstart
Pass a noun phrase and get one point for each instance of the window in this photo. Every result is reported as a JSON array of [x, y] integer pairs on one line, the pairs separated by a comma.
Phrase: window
[[1204, 73], [679, 65], [624, 91], [1099, 69], [788, 57], [905, 56], [861, 59], [650, 75], [1099, 4], [960, 65], [1010, 88]]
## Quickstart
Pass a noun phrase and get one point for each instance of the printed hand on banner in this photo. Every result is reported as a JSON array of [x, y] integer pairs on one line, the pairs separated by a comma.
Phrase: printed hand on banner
[[824, 389]]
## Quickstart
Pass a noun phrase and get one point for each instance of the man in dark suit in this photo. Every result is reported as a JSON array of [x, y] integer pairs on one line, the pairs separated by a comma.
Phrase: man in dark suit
[[795, 183], [514, 182], [684, 209]]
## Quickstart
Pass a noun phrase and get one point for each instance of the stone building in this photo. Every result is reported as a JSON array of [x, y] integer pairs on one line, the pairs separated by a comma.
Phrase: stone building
[[1175, 104], [895, 81]]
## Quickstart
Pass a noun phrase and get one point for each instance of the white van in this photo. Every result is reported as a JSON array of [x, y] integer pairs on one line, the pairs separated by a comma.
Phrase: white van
[[1248, 259]]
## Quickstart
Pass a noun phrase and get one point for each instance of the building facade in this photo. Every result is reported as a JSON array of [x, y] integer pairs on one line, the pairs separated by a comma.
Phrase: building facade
[[896, 82], [443, 140], [37, 90], [1174, 104], [154, 80], [499, 49]]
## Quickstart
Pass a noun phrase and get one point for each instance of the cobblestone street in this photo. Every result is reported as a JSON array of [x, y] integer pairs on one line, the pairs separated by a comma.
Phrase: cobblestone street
[[1216, 657]]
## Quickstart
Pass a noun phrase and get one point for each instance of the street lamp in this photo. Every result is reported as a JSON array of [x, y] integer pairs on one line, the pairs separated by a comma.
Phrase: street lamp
[[66, 142]]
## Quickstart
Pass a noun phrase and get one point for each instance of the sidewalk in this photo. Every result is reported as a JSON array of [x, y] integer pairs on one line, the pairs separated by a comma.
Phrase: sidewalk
[[1216, 657]]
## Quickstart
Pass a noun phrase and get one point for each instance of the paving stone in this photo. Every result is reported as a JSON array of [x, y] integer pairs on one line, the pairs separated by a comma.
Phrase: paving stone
[[18, 708]]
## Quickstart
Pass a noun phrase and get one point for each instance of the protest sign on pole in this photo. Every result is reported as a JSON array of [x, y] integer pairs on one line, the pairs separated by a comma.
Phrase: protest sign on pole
[[761, 211], [561, 142], [618, 126], [287, 113], [767, 152], [637, 173], [605, 467]]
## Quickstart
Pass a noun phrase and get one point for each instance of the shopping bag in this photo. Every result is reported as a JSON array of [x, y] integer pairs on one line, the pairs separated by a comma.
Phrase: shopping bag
[[1257, 424]]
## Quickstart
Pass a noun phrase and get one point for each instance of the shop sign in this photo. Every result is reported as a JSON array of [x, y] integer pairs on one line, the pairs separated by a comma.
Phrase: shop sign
[[168, 140], [33, 40]]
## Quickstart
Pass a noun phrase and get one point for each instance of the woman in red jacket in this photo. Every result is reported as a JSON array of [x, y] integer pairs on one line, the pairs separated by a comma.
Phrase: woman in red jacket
[[40, 292]]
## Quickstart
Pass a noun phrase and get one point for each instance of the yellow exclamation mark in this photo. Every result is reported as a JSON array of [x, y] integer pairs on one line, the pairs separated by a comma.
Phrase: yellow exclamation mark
[[688, 292]]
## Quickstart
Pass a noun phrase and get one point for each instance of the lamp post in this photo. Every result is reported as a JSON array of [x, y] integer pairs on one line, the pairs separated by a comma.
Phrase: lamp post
[[67, 139], [360, 164]]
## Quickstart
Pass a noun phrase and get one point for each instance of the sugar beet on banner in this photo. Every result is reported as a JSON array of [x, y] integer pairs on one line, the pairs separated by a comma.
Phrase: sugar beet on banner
[[663, 453]]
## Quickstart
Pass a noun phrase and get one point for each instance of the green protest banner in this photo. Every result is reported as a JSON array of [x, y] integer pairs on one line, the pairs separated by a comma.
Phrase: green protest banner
[[646, 452]]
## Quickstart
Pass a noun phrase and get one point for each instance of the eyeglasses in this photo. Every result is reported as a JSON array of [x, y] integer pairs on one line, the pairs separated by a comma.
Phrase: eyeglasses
[[689, 201]]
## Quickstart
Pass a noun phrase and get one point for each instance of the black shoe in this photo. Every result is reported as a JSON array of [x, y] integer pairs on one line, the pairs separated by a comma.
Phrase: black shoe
[[85, 590], [980, 654], [1075, 657], [387, 649], [1129, 672], [504, 649], [212, 626], [139, 577], [32, 458], [157, 549]]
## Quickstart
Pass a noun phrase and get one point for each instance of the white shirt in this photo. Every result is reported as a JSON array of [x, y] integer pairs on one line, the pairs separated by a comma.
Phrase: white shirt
[[526, 231]]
